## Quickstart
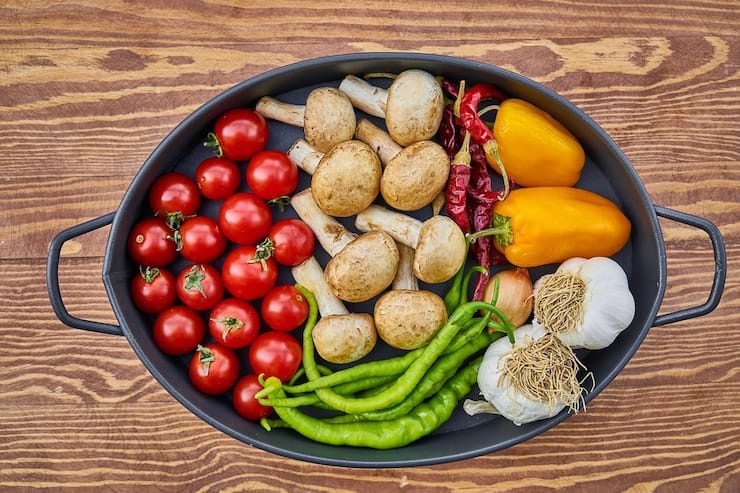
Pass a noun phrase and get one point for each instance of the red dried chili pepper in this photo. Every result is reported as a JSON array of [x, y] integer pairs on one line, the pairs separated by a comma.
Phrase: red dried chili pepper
[[480, 132], [456, 196], [449, 88], [448, 135], [483, 197]]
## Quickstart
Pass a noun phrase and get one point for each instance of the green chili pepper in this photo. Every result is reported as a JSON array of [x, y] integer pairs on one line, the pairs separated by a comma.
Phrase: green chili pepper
[[311, 399], [439, 373], [408, 380], [420, 421]]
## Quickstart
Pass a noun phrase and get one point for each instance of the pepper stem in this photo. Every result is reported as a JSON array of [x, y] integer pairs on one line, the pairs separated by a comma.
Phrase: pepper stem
[[501, 231], [494, 159], [458, 100], [463, 158]]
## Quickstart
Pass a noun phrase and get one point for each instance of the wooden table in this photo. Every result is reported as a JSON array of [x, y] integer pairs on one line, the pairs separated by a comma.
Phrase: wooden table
[[88, 89]]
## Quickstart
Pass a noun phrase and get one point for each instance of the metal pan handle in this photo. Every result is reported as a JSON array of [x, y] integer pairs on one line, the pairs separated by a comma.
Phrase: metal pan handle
[[52, 276], [720, 266]]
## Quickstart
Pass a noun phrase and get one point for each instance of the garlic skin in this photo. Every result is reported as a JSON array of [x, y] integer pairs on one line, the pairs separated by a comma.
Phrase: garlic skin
[[608, 306], [500, 397]]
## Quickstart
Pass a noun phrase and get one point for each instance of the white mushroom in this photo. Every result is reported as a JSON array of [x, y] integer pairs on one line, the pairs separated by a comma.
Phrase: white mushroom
[[413, 176], [345, 180], [406, 317], [412, 106], [439, 243], [327, 118], [362, 266], [339, 336]]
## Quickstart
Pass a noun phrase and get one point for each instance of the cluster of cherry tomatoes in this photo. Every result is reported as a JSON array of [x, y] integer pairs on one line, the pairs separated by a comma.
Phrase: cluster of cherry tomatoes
[[225, 305]]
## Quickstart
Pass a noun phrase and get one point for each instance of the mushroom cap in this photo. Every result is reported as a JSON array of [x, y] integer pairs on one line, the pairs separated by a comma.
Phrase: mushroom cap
[[329, 118], [408, 319], [415, 176], [347, 179], [414, 107], [441, 250], [364, 268], [344, 338]]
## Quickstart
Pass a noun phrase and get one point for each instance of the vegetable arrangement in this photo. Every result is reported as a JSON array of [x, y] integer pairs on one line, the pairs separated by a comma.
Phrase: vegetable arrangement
[[223, 310]]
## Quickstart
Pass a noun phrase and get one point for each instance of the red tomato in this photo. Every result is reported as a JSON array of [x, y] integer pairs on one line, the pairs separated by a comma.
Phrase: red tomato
[[292, 241], [150, 243], [178, 330], [153, 289], [245, 218], [200, 286], [200, 240], [246, 277], [234, 323], [239, 134], [213, 369], [217, 178], [275, 354], [284, 308], [243, 399], [174, 196], [272, 174]]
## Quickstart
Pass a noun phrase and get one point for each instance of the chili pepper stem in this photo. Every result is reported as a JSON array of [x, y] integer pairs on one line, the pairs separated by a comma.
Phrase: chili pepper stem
[[493, 158]]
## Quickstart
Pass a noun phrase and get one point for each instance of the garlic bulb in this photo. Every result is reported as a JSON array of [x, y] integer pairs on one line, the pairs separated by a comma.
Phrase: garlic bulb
[[585, 302], [531, 379]]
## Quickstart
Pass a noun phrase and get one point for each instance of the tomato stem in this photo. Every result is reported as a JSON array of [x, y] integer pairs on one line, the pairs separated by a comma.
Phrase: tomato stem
[[213, 143]]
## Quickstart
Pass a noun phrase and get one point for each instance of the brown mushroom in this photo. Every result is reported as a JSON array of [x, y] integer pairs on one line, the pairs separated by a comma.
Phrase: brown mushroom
[[327, 118], [413, 176], [405, 316], [439, 243], [339, 336], [362, 266], [412, 106], [345, 180]]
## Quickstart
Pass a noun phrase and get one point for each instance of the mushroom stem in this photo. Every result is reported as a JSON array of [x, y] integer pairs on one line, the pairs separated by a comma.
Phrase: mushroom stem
[[365, 96], [292, 114], [402, 228], [378, 139], [405, 278], [305, 156], [310, 275], [439, 244], [330, 233]]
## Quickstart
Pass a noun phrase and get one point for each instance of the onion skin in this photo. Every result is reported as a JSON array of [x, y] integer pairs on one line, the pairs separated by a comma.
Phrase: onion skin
[[515, 297]]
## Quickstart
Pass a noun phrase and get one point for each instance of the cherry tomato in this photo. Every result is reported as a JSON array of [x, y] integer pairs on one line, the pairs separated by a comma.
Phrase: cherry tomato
[[275, 354], [272, 174], [200, 286], [243, 399], [234, 323], [174, 196], [217, 178], [200, 240], [245, 218], [247, 277], [292, 241], [153, 289], [151, 243], [178, 330], [213, 369], [239, 134], [284, 308]]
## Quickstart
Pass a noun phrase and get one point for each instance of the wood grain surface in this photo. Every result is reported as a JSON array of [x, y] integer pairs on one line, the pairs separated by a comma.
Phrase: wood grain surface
[[87, 91]]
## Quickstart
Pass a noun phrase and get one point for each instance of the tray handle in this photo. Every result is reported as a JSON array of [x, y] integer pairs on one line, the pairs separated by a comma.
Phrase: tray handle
[[52, 276], [720, 266]]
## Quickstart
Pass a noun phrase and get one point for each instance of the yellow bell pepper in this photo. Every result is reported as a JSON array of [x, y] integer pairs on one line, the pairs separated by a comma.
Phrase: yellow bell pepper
[[534, 148], [545, 225]]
